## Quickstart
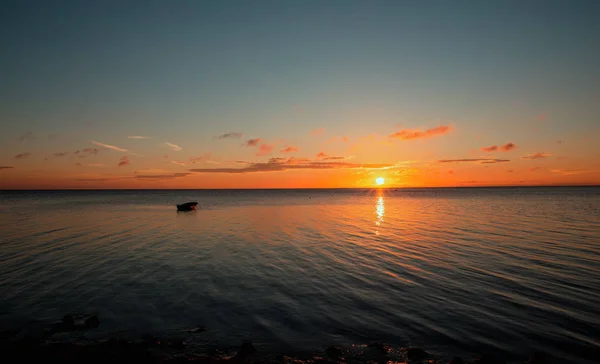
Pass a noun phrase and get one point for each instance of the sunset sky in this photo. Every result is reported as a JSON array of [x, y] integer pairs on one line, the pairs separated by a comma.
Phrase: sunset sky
[[286, 94]]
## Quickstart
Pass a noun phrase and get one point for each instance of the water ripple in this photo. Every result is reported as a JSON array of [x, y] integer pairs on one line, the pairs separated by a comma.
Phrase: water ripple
[[465, 270]]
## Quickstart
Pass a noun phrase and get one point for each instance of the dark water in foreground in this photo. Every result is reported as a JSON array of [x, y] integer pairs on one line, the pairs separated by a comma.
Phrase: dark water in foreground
[[455, 271]]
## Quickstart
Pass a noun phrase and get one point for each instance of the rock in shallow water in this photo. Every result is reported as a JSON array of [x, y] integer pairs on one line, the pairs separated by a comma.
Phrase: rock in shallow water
[[489, 359], [378, 347], [245, 351], [416, 354], [334, 352], [456, 360]]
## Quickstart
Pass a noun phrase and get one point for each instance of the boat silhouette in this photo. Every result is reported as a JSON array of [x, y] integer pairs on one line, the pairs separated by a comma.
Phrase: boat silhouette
[[188, 206]]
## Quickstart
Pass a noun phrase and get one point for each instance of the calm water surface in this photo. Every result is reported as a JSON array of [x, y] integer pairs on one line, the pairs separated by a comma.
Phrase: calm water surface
[[455, 271]]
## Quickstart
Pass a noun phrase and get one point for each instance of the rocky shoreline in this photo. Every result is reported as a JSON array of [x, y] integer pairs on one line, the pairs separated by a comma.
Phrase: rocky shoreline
[[42, 342]]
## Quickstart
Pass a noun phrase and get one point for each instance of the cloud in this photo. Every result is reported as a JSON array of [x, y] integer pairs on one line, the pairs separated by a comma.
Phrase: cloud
[[27, 136], [508, 147], [163, 176], [78, 153], [124, 161], [233, 135], [559, 142], [264, 149], [569, 172], [178, 163], [108, 146], [175, 147], [88, 151], [510, 171], [282, 164], [505, 148], [418, 134], [536, 155], [253, 142], [475, 160], [23, 155], [326, 157], [534, 169], [92, 179], [318, 132], [290, 149], [6, 167], [492, 148], [138, 137], [201, 159]]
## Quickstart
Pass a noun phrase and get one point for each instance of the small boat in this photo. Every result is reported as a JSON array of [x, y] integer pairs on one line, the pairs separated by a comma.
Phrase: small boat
[[188, 206]]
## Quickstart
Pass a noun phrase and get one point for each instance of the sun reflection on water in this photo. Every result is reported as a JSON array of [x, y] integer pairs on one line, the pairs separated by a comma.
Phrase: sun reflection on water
[[380, 211]]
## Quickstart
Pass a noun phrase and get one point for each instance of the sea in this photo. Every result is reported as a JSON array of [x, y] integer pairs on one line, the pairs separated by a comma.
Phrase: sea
[[454, 271]]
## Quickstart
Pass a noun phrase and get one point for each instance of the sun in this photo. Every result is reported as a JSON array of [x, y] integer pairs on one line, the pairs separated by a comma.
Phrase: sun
[[379, 181]]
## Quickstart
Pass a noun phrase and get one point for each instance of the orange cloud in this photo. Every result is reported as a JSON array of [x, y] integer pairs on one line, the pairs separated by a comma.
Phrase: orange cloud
[[508, 147], [476, 160], [326, 157], [505, 148], [124, 161], [23, 155], [493, 148], [290, 149], [282, 164], [178, 163], [265, 149], [6, 167], [59, 154], [253, 142], [162, 176], [318, 132], [418, 134], [534, 169], [536, 155]]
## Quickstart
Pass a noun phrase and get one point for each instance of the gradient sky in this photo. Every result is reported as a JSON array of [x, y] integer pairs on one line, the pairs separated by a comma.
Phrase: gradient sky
[[270, 94]]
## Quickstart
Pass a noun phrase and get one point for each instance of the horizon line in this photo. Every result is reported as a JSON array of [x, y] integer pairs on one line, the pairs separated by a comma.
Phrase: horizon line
[[298, 188]]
